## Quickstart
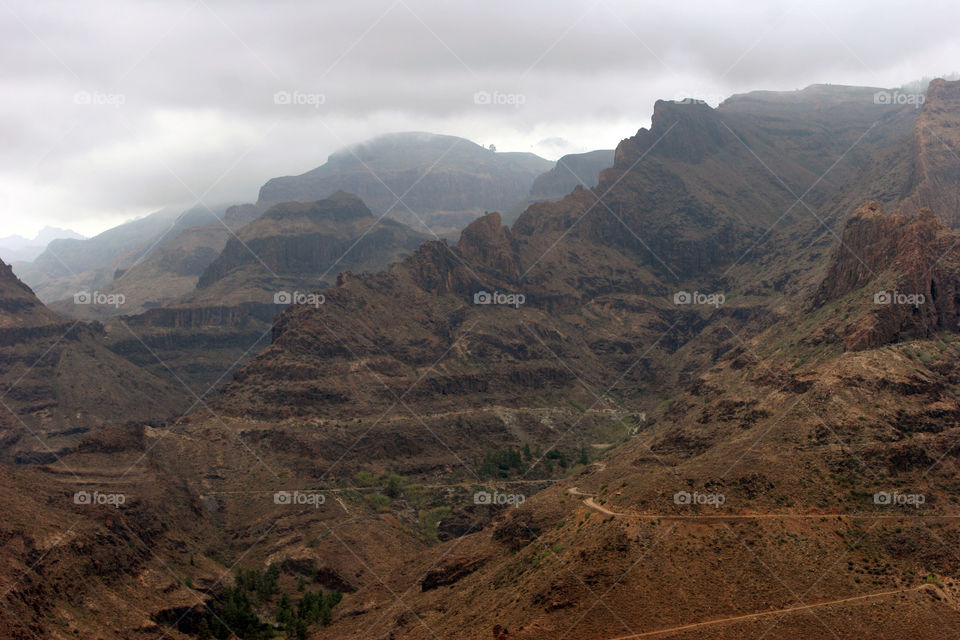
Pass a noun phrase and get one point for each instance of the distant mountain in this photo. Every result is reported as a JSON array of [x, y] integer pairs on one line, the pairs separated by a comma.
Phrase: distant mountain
[[170, 268], [16, 248], [571, 170], [294, 249], [445, 181], [71, 265]]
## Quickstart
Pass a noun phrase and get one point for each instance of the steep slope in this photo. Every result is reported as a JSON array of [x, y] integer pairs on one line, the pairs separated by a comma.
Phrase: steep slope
[[444, 182], [170, 269], [69, 265], [291, 251], [59, 380], [936, 166], [571, 170], [667, 435]]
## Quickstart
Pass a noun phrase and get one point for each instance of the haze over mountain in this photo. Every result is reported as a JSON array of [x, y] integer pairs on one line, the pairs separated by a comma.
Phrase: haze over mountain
[[433, 183], [654, 336], [16, 248], [719, 382]]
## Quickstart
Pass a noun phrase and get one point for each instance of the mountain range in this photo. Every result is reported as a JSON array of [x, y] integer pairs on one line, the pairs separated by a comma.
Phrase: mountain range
[[708, 392]]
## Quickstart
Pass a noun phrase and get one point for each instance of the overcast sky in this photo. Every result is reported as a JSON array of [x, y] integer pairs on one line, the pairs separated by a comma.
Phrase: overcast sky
[[115, 109]]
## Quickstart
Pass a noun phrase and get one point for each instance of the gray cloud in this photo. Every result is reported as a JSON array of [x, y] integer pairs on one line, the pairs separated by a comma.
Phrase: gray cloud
[[177, 99]]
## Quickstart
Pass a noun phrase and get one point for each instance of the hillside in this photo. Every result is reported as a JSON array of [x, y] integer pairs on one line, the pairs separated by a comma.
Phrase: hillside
[[712, 396]]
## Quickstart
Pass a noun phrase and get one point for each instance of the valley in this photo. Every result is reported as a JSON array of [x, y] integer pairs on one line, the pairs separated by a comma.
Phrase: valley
[[709, 392]]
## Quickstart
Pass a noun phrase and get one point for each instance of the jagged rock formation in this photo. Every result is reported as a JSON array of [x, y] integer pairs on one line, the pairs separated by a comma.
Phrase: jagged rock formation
[[902, 272], [296, 248]]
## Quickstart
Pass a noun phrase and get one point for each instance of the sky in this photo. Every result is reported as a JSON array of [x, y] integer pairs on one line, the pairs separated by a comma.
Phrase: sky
[[114, 109]]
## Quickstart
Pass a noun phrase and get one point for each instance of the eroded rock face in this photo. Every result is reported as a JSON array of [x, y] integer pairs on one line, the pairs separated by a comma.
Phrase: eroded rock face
[[936, 169], [309, 239], [572, 170], [903, 272]]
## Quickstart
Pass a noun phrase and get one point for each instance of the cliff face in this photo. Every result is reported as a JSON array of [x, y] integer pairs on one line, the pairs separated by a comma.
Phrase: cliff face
[[294, 248], [312, 239], [900, 273], [446, 181], [572, 170], [936, 144]]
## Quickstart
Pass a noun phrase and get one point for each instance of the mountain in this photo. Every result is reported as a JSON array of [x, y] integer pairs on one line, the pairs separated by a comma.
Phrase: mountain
[[16, 248], [170, 268], [290, 252], [442, 182], [60, 381], [703, 398], [68, 266], [570, 171], [681, 396]]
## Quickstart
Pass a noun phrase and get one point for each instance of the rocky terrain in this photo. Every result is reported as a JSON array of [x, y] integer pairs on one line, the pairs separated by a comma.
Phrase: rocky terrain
[[712, 396], [59, 380], [283, 257]]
